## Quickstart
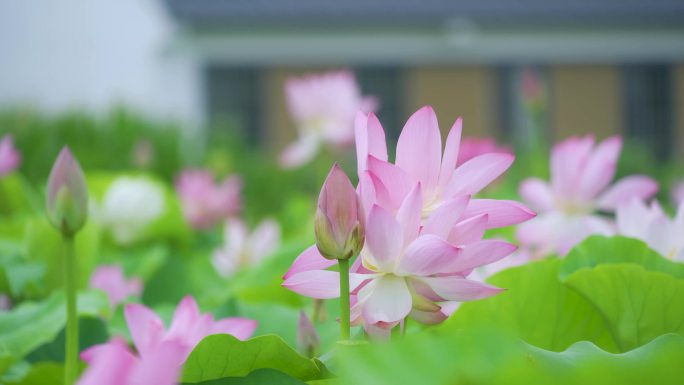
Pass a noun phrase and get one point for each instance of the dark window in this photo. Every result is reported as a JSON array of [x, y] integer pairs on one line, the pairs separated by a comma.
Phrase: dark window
[[386, 84], [648, 107], [234, 101]]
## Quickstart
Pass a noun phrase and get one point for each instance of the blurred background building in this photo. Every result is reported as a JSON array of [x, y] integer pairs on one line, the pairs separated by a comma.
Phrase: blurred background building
[[609, 66]]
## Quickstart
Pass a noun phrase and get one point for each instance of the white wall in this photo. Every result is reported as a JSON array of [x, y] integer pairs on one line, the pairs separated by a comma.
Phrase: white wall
[[94, 54]]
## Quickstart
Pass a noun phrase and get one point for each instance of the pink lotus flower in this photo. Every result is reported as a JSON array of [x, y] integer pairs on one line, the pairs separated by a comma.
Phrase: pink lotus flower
[[240, 248], [206, 203], [651, 225], [323, 108], [112, 281], [473, 147], [114, 364], [160, 352], [423, 230], [9, 156], [581, 173], [407, 267], [419, 159], [339, 219]]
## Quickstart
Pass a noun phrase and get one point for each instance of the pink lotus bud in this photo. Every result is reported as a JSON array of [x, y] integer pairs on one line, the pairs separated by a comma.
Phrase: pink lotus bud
[[67, 195], [307, 337], [339, 221]]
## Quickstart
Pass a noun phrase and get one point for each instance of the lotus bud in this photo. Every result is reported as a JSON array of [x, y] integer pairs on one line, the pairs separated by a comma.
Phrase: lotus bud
[[339, 220], [308, 340], [67, 195]]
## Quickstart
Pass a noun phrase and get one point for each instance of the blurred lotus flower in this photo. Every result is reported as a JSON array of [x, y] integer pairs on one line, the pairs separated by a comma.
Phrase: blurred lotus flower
[[158, 349], [323, 108], [678, 193], [581, 173], [308, 340], [111, 280], [204, 202], [114, 364], [651, 225], [473, 147], [532, 88], [407, 267], [241, 249], [5, 302], [9, 156], [67, 194], [129, 206], [419, 159], [339, 220]]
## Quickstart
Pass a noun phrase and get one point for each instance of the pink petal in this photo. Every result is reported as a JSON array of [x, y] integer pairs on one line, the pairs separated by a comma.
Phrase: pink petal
[[309, 259], [501, 212], [428, 255], [419, 148], [161, 367], [370, 140], [321, 284], [475, 174], [409, 214], [600, 168], [468, 231], [451, 148], [454, 288], [537, 193], [241, 328], [184, 318], [388, 300], [111, 365], [384, 237], [481, 253], [145, 326], [299, 152], [443, 218], [428, 317], [396, 181], [568, 159], [635, 186]]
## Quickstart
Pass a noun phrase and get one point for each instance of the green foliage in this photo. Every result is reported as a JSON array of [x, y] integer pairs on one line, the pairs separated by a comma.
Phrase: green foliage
[[221, 355], [489, 356], [597, 250], [33, 324], [536, 307]]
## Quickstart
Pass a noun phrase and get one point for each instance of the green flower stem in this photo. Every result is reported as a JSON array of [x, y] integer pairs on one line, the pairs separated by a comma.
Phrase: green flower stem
[[344, 299], [70, 280]]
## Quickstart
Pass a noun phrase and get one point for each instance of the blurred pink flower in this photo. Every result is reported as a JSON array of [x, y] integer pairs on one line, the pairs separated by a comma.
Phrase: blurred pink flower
[[9, 156], [419, 159], [473, 147], [677, 193], [407, 267], [114, 364], [651, 225], [160, 352], [581, 172], [206, 203], [241, 249], [323, 108], [111, 280]]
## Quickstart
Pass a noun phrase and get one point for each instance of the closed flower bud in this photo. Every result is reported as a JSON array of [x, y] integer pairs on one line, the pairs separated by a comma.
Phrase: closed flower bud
[[67, 195], [308, 340], [339, 221]]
